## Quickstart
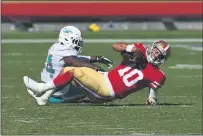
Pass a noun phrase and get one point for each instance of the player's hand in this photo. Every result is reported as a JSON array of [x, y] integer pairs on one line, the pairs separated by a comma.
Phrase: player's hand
[[99, 69], [105, 60], [150, 102]]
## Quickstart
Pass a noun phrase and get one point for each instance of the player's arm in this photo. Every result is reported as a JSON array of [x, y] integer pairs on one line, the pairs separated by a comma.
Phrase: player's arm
[[90, 59], [78, 62], [99, 59], [153, 90], [124, 47], [128, 51], [152, 98]]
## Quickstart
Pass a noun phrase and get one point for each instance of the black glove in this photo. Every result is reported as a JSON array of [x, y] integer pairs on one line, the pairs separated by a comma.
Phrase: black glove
[[105, 60], [99, 69]]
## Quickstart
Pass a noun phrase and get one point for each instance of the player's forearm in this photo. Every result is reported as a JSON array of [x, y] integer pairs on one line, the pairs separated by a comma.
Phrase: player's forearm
[[121, 47], [153, 93], [152, 98], [91, 59], [78, 62], [84, 58], [85, 64]]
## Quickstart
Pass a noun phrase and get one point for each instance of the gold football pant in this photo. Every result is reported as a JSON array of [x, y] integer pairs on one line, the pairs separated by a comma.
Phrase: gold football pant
[[91, 79]]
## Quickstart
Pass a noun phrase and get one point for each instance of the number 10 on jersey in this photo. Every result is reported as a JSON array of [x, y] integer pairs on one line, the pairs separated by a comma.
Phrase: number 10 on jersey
[[135, 73]]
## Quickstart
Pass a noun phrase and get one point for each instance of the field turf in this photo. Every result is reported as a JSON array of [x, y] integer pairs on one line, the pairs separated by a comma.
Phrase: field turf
[[180, 99]]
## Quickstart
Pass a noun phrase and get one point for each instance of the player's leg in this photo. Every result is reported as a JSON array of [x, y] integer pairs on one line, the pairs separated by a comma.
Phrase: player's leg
[[45, 90], [42, 100], [57, 96], [93, 95], [70, 93], [94, 81], [88, 77], [40, 88], [74, 94]]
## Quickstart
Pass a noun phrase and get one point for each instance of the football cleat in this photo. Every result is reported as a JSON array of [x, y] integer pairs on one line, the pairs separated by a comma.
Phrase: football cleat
[[37, 88], [40, 100]]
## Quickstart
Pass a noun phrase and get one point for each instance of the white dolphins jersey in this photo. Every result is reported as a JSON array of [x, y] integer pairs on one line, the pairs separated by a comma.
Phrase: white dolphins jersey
[[54, 62]]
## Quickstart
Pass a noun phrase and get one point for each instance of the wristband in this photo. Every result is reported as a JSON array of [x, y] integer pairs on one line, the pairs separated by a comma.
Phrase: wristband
[[129, 48]]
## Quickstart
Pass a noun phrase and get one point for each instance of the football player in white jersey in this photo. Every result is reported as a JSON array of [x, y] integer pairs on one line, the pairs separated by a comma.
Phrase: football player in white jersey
[[65, 53]]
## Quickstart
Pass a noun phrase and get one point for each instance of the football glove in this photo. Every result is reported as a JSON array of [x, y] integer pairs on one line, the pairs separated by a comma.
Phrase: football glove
[[105, 60], [99, 69]]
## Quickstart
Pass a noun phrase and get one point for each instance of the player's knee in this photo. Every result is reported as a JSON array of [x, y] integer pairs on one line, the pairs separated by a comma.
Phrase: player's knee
[[78, 73], [86, 69], [106, 94], [66, 69]]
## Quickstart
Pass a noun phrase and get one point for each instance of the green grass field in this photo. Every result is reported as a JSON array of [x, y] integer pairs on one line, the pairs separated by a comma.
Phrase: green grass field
[[179, 112]]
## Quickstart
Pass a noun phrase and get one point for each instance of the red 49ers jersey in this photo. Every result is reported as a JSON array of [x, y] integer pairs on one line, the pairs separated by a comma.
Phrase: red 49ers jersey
[[126, 78]]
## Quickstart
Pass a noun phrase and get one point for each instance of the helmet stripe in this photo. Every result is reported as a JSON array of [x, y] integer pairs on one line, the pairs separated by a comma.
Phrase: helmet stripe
[[166, 48]]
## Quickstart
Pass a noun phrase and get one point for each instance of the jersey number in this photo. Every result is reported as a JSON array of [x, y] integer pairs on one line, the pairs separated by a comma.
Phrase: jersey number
[[49, 66], [136, 74]]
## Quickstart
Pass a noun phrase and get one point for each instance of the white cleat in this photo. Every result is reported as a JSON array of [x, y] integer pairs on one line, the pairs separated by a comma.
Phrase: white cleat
[[40, 100], [37, 88]]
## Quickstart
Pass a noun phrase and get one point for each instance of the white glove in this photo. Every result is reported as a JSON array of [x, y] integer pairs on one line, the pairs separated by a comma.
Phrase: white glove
[[150, 102]]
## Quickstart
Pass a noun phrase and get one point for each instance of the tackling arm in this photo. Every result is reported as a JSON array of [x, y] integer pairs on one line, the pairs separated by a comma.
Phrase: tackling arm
[[77, 62], [91, 59], [100, 59]]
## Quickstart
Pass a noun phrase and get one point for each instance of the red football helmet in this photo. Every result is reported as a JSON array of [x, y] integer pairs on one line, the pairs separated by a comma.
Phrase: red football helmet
[[158, 52]]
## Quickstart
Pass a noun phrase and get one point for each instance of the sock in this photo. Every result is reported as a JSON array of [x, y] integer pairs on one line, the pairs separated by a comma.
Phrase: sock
[[62, 79], [55, 100]]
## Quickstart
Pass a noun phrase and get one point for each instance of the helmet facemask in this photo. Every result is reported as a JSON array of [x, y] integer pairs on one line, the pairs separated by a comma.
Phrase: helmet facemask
[[78, 44]]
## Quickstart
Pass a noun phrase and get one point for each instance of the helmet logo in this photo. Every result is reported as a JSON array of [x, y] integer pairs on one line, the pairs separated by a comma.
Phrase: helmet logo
[[67, 31]]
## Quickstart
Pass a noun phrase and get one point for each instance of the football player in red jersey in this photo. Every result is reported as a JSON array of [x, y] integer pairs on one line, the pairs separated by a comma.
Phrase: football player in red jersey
[[139, 69]]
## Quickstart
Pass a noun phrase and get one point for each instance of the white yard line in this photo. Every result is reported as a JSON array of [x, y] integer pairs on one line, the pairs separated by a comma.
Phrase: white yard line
[[13, 78], [24, 54], [183, 96], [176, 40], [189, 76], [194, 48], [186, 66], [22, 62], [5, 97], [32, 118], [25, 121], [132, 107], [12, 86], [9, 78]]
